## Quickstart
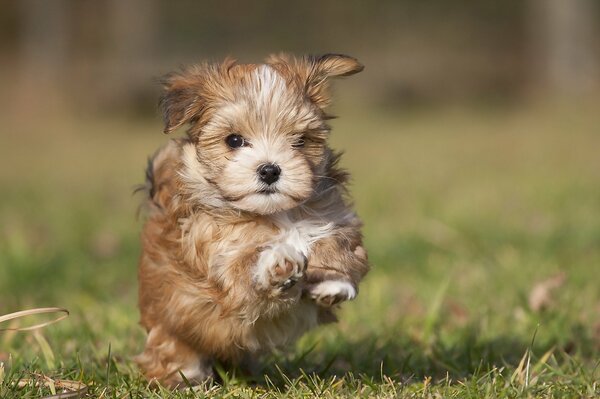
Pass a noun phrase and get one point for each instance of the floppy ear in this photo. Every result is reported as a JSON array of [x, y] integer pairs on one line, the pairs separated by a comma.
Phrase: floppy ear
[[314, 72], [325, 67], [181, 102], [330, 65]]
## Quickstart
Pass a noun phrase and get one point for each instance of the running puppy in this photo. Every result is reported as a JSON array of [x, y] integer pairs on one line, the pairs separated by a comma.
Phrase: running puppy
[[249, 240]]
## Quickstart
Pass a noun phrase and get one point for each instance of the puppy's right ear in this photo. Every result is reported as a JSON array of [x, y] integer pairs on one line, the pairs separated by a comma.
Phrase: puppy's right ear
[[181, 102]]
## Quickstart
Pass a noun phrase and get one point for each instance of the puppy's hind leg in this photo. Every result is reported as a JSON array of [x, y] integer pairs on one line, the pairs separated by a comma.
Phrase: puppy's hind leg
[[165, 359]]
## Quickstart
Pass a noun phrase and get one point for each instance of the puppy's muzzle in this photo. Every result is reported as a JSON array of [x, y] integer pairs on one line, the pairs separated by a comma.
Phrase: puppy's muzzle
[[268, 173]]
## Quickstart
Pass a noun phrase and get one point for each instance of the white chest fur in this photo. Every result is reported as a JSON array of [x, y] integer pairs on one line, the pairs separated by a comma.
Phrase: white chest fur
[[301, 234], [291, 246]]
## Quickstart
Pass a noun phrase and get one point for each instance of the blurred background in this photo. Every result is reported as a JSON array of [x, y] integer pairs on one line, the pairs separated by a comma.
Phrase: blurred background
[[92, 57], [478, 122]]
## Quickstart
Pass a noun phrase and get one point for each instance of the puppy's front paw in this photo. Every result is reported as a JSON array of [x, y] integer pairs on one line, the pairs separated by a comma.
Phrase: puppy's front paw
[[330, 292], [279, 268]]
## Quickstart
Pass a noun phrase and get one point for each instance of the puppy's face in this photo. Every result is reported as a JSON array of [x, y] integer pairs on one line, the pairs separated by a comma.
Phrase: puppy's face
[[259, 131]]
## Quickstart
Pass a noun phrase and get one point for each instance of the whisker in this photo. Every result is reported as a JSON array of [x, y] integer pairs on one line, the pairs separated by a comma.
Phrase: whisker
[[328, 177]]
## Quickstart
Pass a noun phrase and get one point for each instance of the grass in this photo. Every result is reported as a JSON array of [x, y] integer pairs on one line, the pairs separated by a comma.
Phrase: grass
[[465, 212]]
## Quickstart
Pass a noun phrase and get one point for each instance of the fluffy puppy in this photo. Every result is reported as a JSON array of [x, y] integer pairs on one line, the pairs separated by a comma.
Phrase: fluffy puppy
[[249, 240]]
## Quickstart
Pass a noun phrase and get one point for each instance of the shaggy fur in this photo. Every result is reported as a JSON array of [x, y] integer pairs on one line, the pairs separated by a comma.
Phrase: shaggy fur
[[232, 267]]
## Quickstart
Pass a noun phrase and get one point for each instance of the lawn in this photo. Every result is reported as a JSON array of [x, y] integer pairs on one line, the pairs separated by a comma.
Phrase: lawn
[[470, 216]]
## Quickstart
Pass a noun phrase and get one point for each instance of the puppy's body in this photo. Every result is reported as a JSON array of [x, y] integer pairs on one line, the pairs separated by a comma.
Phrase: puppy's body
[[237, 260]]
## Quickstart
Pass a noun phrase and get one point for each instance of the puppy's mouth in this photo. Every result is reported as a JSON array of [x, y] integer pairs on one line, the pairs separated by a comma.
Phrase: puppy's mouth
[[268, 190]]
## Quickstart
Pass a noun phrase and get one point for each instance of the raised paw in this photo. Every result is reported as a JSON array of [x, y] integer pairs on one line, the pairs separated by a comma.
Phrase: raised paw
[[279, 268], [330, 292]]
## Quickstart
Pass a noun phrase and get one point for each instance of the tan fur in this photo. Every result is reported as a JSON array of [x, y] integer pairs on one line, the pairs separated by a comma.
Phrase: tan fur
[[220, 260]]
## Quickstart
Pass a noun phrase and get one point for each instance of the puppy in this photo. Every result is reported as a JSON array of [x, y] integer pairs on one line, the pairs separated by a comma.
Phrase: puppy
[[250, 239]]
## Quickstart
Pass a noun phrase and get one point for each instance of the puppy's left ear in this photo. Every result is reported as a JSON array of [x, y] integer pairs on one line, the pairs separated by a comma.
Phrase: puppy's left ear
[[325, 67], [314, 72], [331, 65]]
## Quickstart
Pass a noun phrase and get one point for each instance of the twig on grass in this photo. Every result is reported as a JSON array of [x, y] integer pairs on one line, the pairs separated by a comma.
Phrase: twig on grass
[[68, 388]]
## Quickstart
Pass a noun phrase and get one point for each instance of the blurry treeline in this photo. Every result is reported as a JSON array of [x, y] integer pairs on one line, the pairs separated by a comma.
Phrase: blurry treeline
[[105, 56]]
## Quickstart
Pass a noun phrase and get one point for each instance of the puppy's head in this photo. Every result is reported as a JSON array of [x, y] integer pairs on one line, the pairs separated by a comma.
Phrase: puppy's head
[[258, 132]]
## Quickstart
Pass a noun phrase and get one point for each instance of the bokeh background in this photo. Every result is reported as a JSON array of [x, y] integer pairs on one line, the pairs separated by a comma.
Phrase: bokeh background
[[472, 137]]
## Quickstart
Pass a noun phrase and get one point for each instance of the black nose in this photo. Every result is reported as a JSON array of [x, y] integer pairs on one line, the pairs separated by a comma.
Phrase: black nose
[[269, 173]]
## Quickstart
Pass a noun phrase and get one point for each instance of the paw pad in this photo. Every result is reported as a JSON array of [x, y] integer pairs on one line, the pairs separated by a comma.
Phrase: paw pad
[[279, 268]]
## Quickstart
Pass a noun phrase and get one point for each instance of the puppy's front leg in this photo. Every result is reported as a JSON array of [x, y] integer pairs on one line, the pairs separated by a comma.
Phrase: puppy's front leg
[[278, 269], [336, 266]]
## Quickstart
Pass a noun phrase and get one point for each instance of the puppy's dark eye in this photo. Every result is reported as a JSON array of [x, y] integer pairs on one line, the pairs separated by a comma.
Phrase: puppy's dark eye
[[299, 143], [235, 141]]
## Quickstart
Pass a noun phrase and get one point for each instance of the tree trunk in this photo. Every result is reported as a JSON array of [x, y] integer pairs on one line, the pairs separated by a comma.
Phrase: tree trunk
[[564, 53]]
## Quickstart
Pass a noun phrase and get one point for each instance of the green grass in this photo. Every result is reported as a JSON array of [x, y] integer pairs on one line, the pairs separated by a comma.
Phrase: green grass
[[465, 211]]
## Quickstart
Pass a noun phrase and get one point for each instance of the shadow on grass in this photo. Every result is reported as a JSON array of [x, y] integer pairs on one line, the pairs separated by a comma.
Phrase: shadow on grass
[[403, 358]]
